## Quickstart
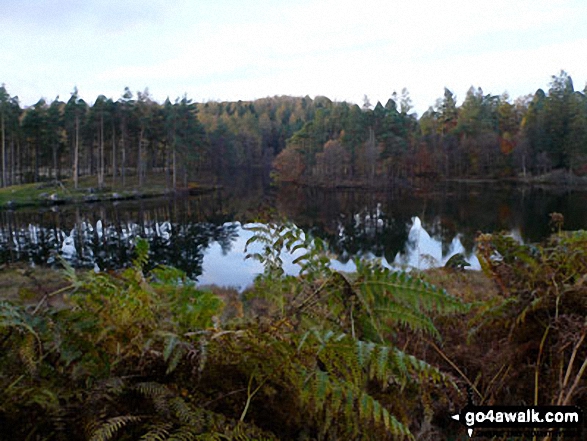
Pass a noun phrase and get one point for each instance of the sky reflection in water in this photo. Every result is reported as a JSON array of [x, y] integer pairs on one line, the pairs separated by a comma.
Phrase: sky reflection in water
[[229, 268], [203, 236]]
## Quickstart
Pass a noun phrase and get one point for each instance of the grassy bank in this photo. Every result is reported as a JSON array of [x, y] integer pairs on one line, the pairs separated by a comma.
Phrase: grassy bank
[[64, 192]]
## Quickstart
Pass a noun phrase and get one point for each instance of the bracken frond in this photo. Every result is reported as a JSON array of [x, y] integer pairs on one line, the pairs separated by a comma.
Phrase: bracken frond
[[108, 429], [157, 432], [376, 281]]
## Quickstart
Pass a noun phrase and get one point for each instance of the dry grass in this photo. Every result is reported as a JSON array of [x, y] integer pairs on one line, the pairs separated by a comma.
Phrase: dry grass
[[470, 286], [233, 306], [21, 282]]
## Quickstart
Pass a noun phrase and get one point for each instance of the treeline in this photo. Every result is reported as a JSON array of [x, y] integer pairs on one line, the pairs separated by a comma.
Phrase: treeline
[[306, 140], [134, 138], [487, 137], [73, 139]]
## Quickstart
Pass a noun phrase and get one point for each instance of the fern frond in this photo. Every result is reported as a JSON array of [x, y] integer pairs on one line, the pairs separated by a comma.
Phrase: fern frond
[[413, 292], [142, 254], [175, 358], [14, 316], [186, 433], [408, 317], [113, 385], [364, 352], [173, 351], [158, 432], [109, 428], [159, 394], [187, 415], [28, 354], [342, 402], [389, 364]]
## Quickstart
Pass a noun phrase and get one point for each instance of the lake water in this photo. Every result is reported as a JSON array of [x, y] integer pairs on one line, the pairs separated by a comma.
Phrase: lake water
[[206, 235]]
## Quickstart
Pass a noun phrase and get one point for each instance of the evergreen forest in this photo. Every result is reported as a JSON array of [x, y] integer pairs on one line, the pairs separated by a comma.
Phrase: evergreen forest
[[313, 141]]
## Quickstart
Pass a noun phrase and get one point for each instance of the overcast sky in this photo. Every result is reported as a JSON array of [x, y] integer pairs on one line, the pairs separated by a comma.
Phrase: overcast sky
[[246, 49]]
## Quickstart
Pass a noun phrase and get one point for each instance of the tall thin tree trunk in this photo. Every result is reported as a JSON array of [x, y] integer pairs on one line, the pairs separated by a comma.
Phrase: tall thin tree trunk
[[167, 165], [13, 161], [372, 155], [140, 159], [91, 160], [101, 170], [19, 161], [113, 156], [174, 170], [55, 174], [36, 159], [3, 153], [76, 153], [123, 162]]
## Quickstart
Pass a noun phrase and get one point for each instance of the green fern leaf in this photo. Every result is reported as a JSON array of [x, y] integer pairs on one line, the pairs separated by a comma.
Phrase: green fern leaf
[[186, 433], [176, 357], [170, 346], [364, 351], [187, 415], [159, 432], [109, 428]]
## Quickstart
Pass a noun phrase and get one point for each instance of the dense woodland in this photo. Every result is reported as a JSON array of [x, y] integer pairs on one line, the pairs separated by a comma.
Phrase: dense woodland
[[307, 140]]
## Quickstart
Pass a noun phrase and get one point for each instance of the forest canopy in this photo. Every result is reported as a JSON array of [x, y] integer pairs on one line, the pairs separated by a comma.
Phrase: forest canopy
[[316, 141]]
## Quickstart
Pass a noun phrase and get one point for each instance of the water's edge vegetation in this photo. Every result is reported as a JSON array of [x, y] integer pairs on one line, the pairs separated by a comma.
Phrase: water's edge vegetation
[[321, 355]]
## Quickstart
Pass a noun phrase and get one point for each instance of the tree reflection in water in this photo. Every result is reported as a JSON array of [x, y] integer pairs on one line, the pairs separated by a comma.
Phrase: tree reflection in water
[[416, 229], [103, 238]]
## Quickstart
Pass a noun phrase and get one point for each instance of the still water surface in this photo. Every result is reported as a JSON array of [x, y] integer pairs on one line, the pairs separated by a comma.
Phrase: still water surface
[[206, 235]]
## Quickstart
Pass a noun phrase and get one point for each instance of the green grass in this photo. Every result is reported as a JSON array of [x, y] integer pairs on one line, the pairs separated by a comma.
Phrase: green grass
[[59, 192]]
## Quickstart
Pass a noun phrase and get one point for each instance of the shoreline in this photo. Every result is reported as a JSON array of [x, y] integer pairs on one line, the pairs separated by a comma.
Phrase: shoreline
[[55, 193], [556, 180]]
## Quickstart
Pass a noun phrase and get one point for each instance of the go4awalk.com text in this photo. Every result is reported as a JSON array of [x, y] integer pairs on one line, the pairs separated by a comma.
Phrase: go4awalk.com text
[[520, 418]]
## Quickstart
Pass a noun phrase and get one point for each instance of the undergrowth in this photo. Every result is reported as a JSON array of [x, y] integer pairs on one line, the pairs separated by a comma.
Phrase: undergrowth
[[540, 319], [322, 355], [525, 344], [149, 356]]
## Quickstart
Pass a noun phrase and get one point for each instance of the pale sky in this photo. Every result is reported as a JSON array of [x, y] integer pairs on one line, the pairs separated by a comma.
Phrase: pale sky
[[247, 49]]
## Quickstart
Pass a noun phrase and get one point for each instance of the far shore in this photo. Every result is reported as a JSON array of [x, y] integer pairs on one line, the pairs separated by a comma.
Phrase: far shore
[[554, 180], [63, 192]]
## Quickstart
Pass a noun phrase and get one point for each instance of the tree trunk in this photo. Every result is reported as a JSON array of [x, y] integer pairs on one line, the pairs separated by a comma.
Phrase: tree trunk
[[371, 155], [113, 156], [19, 161], [3, 153], [140, 159], [123, 161], [36, 177], [166, 166], [13, 161], [174, 170], [101, 170], [76, 153], [55, 174]]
